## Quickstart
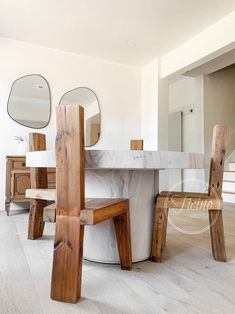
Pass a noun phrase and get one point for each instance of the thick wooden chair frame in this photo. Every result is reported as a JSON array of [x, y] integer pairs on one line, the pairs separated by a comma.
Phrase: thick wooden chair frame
[[41, 212], [38, 180], [213, 202], [136, 144], [73, 211]]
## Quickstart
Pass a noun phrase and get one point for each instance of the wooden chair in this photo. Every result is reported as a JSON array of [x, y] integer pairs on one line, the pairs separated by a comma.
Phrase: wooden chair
[[136, 144], [38, 180], [49, 212], [73, 212], [213, 202]]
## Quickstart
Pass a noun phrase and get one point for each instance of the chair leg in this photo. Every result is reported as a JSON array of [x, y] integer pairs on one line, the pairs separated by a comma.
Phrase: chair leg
[[159, 233], [165, 226], [36, 224], [123, 235], [67, 260], [217, 235]]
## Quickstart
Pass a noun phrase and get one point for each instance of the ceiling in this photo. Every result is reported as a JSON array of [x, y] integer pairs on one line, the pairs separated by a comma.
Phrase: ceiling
[[125, 31]]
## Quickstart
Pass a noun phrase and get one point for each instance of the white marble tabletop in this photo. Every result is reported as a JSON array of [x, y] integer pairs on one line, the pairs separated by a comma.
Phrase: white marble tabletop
[[124, 159]]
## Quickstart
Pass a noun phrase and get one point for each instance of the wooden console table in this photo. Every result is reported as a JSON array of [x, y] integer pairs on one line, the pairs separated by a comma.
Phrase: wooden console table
[[18, 180]]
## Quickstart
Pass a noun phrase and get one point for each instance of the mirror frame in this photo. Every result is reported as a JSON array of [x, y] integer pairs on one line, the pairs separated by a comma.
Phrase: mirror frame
[[81, 104], [49, 118]]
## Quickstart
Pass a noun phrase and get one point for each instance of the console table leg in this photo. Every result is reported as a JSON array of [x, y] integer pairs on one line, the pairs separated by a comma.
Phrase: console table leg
[[7, 207]]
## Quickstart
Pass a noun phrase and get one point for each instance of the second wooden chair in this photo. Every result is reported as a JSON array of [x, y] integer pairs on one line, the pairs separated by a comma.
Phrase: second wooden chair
[[212, 201]]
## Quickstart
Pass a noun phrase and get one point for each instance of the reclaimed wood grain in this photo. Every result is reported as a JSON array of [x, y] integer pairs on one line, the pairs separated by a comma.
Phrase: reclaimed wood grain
[[71, 211], [136, 144], [68, 245], [211, 201], [38, 180]]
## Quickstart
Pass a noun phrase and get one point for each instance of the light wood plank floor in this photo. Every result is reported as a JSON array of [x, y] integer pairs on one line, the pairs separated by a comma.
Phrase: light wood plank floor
[[188, 281]]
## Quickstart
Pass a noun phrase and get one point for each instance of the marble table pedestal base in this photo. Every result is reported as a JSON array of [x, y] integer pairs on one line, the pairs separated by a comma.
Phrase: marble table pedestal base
[[141, 188]]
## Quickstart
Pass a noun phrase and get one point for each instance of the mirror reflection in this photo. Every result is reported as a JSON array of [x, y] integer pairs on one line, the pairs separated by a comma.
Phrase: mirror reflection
[[29, 102], [87, 98]]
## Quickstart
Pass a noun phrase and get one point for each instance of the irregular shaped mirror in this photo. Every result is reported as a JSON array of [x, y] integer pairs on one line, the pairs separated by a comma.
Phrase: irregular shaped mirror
[[29, 102], [87, 98]]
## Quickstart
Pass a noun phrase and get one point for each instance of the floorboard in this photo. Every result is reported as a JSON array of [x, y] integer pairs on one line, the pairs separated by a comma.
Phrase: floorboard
[[187, 281]]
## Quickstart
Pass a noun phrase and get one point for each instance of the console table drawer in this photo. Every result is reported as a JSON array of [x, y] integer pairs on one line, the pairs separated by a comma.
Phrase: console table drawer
[[18, 164]]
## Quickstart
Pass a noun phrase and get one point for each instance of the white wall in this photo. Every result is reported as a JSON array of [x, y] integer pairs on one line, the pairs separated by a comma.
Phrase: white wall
[[163, 111], [219, 103], [149, 105], [154, 114], [118, 88], [154, 108], [185, 94], [212, 42]]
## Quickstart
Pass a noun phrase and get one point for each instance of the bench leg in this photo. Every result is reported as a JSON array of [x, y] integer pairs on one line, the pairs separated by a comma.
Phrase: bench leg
[[123, 235], [67, 260], [217, 235], [159, 233], [36, 224]]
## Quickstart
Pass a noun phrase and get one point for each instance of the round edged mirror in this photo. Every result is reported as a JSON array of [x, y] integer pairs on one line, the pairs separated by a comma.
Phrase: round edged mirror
[[87, 98], [29, 102]]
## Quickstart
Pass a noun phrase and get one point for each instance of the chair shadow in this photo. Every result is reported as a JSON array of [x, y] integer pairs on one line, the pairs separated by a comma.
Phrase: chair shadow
[[230, 252], [15, 212], [102, 307], [47, 237]]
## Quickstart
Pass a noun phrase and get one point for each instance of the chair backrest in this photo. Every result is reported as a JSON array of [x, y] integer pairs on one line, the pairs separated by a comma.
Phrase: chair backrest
[[217, 160], [70, 160], [136, 144], [37, 141], [38, 176]]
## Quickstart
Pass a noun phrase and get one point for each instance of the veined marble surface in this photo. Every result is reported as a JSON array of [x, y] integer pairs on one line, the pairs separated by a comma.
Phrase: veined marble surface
[[141, 188], [124, 159]]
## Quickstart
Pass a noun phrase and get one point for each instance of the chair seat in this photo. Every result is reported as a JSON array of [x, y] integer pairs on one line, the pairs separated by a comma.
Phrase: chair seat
[[41, 194], [183, 194], [101, 209], [96, 209], [99, 203], [188, 200]]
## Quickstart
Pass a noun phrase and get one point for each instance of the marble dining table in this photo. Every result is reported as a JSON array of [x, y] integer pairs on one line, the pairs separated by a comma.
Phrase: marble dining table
[[123, 174]]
